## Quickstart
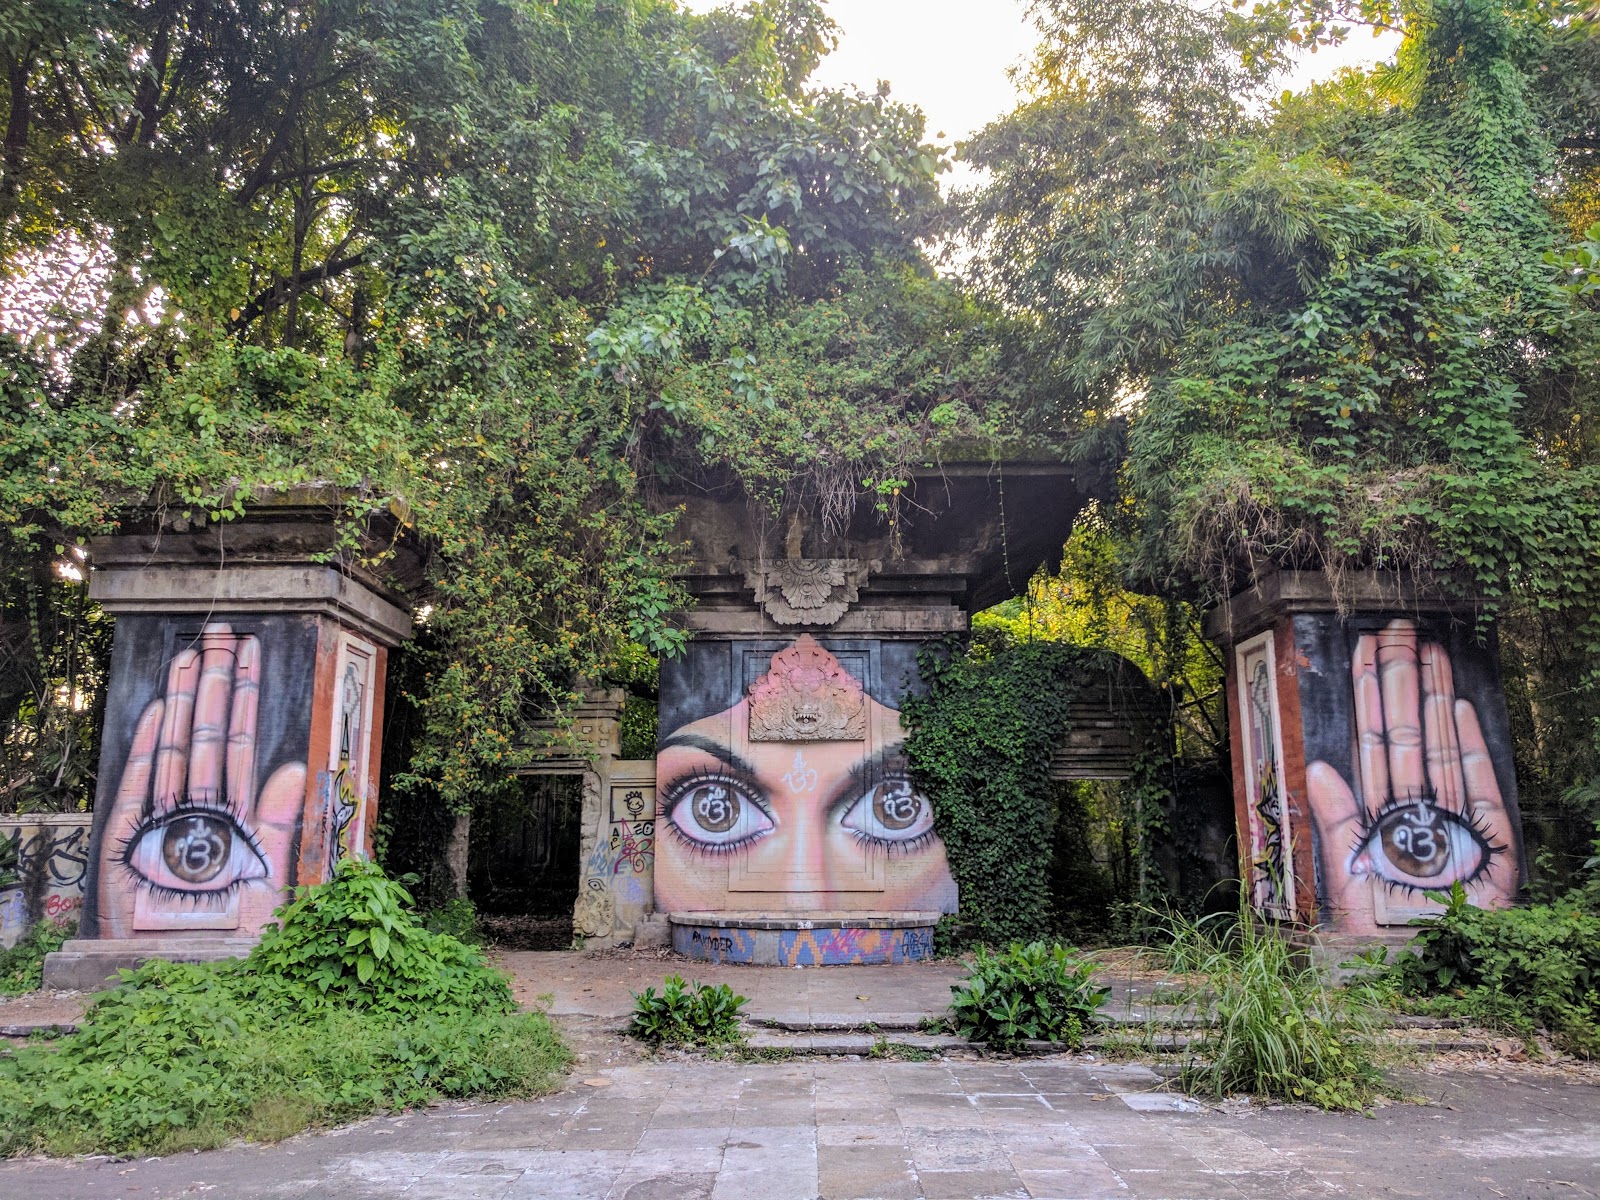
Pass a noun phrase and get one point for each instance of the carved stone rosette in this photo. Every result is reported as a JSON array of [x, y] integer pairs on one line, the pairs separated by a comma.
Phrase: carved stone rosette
[[807, 591], [806, 696]]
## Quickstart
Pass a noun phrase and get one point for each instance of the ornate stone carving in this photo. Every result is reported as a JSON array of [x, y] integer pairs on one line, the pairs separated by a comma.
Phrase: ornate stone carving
[[807, 591], [806, 696]]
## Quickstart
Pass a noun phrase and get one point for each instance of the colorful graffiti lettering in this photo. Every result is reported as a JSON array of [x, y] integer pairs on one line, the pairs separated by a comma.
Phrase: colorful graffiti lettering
[[633, 848], [51, 863], [802, 947]]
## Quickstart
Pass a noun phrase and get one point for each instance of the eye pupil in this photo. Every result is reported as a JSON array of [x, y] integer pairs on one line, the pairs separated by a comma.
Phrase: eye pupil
[[896, 805], [715, 808], [197, 848]]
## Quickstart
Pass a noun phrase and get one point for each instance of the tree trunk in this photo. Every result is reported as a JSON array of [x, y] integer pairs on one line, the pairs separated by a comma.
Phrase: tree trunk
[[455, 855]]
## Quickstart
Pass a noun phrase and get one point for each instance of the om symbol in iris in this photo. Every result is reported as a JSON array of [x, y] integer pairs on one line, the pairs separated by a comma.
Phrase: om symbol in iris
[[716, 814], [196, 848]]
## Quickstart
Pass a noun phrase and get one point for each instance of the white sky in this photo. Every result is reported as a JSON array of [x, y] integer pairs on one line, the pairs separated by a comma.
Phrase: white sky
[[950, 57]]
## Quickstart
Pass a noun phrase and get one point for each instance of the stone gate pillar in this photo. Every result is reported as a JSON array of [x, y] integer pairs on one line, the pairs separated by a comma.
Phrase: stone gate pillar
[[240, 752], [1372, 761]]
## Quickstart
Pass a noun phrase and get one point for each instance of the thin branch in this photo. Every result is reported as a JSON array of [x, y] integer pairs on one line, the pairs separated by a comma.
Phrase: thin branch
[[309, 172], [276, 295]]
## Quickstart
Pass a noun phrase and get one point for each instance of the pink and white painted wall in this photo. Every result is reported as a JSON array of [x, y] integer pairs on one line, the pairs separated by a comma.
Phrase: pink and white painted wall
[[782, 784]]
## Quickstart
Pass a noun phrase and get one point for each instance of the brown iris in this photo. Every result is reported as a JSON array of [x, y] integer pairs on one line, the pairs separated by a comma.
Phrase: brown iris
[[197, 847], [715, 808], [896, 804], [1415, 839]]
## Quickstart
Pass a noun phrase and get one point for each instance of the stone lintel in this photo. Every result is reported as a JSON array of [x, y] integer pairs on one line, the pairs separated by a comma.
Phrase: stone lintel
[[1283, 593], [253, 589], [873, 621]]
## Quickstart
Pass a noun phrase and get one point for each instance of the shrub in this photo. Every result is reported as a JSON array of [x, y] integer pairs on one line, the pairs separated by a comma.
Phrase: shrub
[[22, 966], [979, 741], [347, 1007], [1272, 1024], [1515, 967], [353, 943], [689, 1014], [1028, 993]]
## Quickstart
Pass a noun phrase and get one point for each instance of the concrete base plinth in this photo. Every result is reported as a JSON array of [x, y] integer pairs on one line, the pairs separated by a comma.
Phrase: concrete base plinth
[[84, 965], [815, 939], [654, 932]]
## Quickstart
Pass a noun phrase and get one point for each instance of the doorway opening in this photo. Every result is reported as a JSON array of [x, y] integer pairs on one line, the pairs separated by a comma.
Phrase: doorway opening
[[522, 864]]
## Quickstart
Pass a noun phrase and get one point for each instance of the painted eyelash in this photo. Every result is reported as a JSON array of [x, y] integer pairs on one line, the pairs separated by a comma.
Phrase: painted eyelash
[[863, 783], [708, 849], [895, 846], [686, 783], [150, 824], [215, 899]]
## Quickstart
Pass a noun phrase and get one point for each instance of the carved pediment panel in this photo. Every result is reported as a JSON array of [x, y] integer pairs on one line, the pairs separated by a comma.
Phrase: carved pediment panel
[[806, 696], [807, 591]]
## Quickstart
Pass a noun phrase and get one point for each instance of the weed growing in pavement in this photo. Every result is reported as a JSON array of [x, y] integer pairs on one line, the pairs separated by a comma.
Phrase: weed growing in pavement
[[739, 1052], [348, 1006], [899, 1052], [687, 1014], [1273, 1025], [1027, 993]]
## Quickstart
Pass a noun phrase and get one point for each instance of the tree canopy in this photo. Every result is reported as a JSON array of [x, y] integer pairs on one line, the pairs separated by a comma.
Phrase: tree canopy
[[501, 266], [1349, 329]]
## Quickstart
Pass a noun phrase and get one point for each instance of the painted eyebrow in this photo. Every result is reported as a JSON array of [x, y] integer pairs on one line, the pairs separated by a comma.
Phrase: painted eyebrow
[[869, 770], [716, 749]]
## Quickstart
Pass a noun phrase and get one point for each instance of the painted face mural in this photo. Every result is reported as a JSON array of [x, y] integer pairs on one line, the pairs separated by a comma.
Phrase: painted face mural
[[1421, 807], [194, 838], [797, 797]]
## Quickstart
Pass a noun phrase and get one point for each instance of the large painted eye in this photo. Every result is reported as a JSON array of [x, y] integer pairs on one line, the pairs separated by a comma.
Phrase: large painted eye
[[1418, 845], [200, 851], [891, 813], [718, 814]]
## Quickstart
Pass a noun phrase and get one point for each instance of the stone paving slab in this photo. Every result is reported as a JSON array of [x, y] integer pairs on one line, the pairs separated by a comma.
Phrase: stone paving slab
[[1060, 1128]]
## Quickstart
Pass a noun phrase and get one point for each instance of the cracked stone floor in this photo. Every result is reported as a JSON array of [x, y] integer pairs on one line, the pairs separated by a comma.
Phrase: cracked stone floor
[[1066, 1127]]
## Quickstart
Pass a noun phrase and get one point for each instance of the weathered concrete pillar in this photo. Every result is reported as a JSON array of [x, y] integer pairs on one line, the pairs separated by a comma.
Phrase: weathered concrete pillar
[[242, 735], [1371, 753]]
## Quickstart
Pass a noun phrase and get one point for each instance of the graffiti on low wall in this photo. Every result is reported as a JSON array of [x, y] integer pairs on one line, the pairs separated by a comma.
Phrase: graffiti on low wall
[[52, 860], [802, 947], [619, 871]]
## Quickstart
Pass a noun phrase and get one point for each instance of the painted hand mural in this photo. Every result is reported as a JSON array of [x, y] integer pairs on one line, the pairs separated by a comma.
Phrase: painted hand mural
[[191, 841], [798, 794], [1430, 811]]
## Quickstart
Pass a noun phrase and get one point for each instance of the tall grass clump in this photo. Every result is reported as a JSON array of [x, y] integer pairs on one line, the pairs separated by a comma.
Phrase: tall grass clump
[[1272, 1023], [347, 1006]]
